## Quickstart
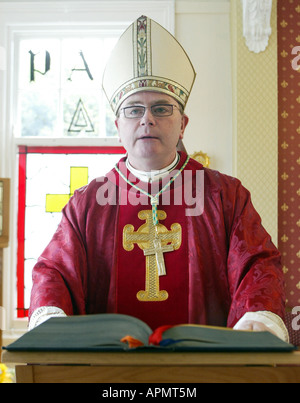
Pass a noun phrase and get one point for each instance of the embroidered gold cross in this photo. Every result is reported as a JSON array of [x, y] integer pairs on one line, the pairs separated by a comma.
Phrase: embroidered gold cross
[[154, 240]]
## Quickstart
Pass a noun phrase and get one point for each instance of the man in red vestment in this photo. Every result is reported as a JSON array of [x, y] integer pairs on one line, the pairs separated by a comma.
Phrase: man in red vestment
[[160, 237]]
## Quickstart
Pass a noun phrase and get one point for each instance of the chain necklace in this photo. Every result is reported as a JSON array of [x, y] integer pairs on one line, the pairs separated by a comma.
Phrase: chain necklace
[[154, 199]]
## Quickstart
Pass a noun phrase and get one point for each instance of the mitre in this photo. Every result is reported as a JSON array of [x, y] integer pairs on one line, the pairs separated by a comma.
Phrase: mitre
[[147, 58]]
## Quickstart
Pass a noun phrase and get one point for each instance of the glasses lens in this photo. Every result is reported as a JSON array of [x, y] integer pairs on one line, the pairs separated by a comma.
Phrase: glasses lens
[[162, 110], [137, 112], [132, 112]]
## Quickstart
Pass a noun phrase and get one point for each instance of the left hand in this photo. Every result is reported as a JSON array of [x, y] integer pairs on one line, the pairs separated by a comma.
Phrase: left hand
[[254, 326]]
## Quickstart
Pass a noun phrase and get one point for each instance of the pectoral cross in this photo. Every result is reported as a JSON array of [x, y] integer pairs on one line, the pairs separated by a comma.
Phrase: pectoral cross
[[154, 240]]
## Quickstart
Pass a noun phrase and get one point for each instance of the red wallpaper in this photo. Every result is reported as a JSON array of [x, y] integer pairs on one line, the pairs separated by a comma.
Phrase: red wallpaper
[[288, 13]]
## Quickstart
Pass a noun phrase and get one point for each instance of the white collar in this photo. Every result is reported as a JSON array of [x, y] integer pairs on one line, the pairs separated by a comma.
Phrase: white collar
[[152, 176]]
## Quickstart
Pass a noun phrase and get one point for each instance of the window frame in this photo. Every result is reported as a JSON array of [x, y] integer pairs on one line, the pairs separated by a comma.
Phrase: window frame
[[25, 17]]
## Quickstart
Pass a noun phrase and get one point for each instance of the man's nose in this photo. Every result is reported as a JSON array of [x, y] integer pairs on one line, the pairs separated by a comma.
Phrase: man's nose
[[148, 118]]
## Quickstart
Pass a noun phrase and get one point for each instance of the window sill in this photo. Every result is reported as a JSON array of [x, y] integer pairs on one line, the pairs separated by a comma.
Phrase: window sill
[[70, 142]]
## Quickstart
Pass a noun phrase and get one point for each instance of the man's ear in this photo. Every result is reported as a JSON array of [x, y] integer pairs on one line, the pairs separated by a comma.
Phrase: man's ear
[[117, 126], [184, 123]]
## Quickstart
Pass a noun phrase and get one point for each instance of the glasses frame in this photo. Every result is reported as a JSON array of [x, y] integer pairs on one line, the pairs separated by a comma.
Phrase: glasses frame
[[148, 107]]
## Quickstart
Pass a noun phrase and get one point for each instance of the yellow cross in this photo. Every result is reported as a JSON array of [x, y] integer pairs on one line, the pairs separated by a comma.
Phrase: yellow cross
[[154, 241], [78, 178]]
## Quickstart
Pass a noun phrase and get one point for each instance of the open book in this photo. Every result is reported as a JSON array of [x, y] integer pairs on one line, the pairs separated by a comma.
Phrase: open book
[[117, 332]]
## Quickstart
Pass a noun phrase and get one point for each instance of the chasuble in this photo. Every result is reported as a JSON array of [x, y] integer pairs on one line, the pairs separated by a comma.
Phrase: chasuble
[[208, 265]]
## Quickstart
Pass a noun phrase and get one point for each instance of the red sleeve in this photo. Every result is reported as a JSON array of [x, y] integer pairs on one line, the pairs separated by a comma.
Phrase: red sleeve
[[254, 266], [59, 275]]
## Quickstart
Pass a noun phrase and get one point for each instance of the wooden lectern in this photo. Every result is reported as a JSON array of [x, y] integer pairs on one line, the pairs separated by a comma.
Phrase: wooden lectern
[[149, 367]]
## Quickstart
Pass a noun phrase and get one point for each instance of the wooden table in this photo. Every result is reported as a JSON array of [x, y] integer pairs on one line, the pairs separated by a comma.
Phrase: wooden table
[[154, 367]]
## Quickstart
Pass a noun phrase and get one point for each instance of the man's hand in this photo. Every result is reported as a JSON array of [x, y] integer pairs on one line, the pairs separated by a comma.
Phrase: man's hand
[[254, 326]]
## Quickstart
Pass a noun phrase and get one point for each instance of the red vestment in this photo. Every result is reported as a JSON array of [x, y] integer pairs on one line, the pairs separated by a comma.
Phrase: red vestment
[[225, 266]]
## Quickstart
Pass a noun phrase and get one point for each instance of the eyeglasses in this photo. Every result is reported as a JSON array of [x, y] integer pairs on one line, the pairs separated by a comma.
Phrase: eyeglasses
[[138, 111]]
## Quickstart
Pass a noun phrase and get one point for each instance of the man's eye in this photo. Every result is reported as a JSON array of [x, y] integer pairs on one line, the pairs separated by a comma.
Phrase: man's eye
[[135, 111], [160, 110]]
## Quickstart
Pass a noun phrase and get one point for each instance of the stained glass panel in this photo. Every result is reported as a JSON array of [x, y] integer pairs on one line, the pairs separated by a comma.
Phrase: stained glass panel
[[51, 180]]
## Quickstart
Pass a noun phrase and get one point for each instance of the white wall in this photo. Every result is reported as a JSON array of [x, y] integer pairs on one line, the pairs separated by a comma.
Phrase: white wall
[[203, 28]]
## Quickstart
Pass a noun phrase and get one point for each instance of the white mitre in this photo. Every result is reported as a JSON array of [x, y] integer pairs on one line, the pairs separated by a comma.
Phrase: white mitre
[[147, 58]]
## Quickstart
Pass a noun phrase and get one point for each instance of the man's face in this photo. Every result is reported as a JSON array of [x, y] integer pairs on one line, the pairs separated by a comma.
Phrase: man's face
[[150, 141]]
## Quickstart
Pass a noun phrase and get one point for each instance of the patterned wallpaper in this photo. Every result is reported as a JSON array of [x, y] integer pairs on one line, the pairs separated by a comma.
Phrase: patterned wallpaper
[[255, 118], [288, 18]]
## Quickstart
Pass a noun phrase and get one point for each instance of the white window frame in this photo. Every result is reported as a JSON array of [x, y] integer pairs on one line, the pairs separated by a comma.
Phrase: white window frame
[[22, 17]]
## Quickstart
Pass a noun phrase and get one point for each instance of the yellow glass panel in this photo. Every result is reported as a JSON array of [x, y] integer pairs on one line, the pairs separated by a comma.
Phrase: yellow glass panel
[[55, 203], [78, 178]]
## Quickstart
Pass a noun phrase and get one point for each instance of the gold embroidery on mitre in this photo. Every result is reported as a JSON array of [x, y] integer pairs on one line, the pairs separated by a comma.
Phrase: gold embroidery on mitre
[[154, 240]]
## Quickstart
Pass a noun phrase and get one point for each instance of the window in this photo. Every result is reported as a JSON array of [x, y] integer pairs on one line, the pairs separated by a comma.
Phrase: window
[[58, 95], [59, 86]]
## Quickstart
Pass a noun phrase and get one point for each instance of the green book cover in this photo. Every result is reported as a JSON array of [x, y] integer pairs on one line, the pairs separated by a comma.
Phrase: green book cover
[[105, 332]]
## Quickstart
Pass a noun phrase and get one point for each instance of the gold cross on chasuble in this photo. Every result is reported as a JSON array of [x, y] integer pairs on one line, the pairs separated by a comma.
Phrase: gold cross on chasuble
[[154, 240]]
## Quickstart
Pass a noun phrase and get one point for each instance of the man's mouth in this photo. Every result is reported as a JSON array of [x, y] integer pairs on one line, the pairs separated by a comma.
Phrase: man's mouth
[[147, 137]]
